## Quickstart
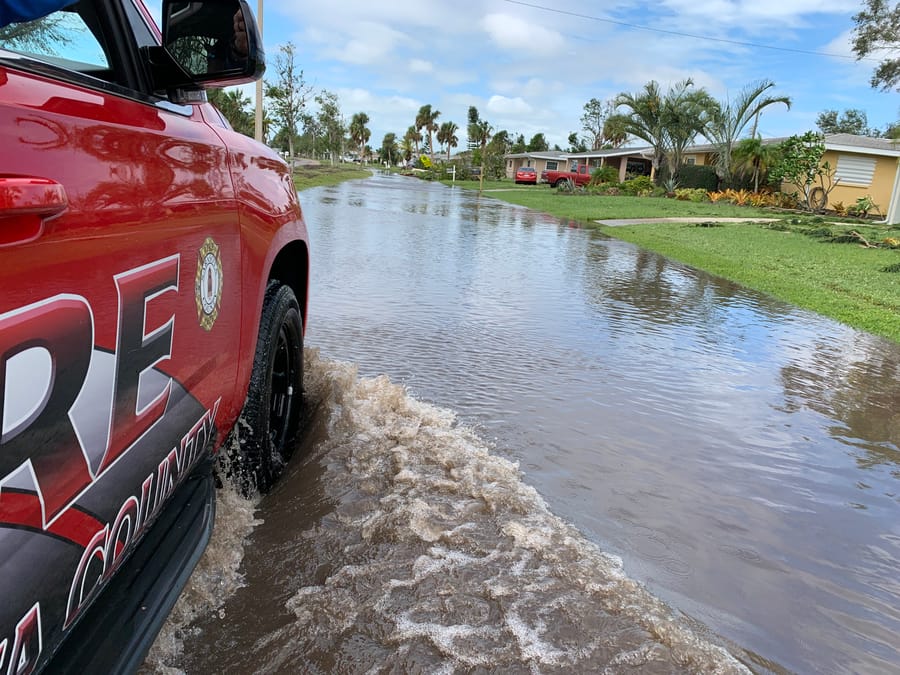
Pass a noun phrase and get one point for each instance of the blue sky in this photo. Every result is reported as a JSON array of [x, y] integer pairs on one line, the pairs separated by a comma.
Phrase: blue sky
[[530, 70]]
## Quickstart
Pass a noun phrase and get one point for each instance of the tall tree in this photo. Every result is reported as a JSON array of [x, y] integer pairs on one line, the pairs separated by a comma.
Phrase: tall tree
[[686, 113], [480, 132], [752, 156], [446, 136], [594, 122], [331, 122], [312, 133], [668, 123], [615, 132], [389, 151], [426, 120], [538, 143], [406, 145], [472, 118], [413, 138], [877, 31], [360, 133], [519, 144], [576, 144], [42, 36], [851, 121], [234, 105], [289, 93], [728, 119]]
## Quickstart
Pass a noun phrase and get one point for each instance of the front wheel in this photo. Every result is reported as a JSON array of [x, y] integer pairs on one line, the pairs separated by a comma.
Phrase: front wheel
[[271, 414]]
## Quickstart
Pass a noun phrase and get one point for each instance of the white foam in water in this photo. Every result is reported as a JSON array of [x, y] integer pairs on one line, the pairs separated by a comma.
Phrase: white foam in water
[[439, 557], [463, 558], [216, 577]]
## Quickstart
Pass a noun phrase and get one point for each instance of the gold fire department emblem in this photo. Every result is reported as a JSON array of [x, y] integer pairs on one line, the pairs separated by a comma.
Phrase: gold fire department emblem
[[208, 286]]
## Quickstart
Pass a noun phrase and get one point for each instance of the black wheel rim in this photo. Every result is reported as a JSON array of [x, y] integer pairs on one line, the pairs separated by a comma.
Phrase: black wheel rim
[[284, 370]]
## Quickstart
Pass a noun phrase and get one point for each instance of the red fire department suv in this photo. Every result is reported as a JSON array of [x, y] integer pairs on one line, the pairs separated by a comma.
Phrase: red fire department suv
[[153, 287]]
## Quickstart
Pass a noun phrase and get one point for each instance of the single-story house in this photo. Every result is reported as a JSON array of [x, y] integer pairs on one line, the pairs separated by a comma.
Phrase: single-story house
[[548, 160], [864, 166], [631, 160]]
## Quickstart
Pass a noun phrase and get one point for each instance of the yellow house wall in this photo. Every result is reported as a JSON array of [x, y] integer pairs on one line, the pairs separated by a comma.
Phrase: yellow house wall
[[879, 190], [700, 159]]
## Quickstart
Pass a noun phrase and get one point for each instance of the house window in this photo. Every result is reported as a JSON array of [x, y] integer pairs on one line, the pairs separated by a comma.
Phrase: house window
[[690, 160], [552, 165], [854, 170]]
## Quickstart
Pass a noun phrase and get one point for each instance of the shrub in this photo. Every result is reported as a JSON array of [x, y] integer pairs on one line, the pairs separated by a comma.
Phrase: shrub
[[785, 200], [639, 185], [698, 176], [604, 174], [691, 194]]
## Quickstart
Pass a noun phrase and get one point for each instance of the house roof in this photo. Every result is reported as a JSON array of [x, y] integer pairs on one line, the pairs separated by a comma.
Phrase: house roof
[[862, 144], [544, 154], [614, 152]]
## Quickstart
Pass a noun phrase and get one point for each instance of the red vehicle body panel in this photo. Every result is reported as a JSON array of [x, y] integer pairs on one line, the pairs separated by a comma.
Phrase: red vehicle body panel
[[580, 176], [136, 243]]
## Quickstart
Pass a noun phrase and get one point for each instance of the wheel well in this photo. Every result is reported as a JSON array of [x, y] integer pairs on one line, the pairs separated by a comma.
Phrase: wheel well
[[291, 267]]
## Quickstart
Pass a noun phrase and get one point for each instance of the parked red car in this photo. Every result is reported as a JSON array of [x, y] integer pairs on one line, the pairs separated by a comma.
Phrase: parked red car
[[526, 175], [154, 274]]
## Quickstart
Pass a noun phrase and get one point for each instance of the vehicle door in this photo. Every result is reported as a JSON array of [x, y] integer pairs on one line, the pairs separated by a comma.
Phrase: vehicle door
[[119, 311]]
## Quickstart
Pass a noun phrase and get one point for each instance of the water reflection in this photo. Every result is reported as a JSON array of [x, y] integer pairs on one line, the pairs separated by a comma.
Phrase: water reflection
[[739, 454], [856, 383]]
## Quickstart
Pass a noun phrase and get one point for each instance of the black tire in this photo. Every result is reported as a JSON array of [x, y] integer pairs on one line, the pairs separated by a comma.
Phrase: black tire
[[268, 425]]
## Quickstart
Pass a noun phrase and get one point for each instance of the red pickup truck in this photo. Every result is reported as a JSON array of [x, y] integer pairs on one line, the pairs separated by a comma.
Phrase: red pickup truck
[[154, 272], [581, 175]]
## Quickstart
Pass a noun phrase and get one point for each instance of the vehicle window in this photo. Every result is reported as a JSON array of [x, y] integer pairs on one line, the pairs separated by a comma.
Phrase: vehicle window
[[70, 39]]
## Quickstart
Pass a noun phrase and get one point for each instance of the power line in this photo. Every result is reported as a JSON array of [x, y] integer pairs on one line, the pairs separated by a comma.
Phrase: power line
[[689, 35]]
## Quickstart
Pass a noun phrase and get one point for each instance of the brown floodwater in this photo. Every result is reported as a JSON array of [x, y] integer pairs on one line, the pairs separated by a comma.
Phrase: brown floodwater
[[535, 449]]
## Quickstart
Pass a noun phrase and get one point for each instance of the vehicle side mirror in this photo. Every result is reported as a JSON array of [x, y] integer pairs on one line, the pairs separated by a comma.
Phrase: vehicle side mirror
[[207, 43]]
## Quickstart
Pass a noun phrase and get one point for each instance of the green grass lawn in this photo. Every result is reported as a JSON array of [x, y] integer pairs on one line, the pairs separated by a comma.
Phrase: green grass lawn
[[843, 281], [325, 174], [596, 207]]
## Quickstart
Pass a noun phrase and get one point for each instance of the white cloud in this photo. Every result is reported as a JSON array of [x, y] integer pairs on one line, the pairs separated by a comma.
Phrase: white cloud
[[501, 105], [513, 33], [421, 66]]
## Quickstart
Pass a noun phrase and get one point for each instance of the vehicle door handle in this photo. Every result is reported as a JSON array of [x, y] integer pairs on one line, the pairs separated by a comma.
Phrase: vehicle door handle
[[25, 203]]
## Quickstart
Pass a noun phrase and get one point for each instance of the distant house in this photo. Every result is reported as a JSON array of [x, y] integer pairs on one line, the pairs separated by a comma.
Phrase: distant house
[[863, 166], [549, 160], [630, 160]]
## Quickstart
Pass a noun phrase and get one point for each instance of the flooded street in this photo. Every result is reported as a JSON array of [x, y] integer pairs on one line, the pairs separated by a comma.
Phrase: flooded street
[[534, 449]]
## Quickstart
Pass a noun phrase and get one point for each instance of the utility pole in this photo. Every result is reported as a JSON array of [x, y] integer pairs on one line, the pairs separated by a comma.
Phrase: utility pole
[[258, 132]]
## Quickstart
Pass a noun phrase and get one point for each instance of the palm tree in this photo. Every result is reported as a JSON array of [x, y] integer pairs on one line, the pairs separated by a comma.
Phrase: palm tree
[[388, 148], [645, 119], [359, 132], [414, 137], [427, 119], [446, 136], [751, 154], [729, 119], [480, 132], [668, 123]]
